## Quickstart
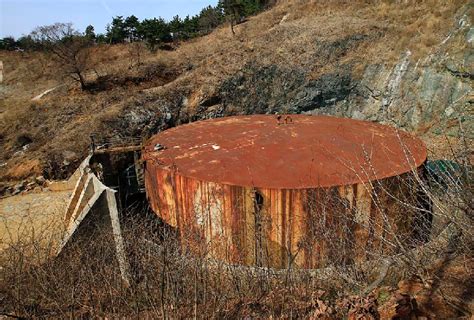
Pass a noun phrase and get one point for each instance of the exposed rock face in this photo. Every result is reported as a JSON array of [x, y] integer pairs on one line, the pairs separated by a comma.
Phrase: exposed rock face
[[433, 93], [337, 61], [271, 89], [148, 116], [324, 92], [257, 90]]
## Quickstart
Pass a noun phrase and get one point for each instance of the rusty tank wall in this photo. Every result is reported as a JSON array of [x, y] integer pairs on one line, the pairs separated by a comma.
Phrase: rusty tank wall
[[309, 228]]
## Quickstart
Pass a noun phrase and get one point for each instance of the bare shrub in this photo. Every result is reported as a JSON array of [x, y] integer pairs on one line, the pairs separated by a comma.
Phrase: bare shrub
[[171, 281], [135, 50]]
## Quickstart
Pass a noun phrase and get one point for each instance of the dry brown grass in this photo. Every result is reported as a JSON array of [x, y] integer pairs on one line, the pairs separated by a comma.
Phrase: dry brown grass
[[63, 119], [169, 282], [86, 283], [33, 218]]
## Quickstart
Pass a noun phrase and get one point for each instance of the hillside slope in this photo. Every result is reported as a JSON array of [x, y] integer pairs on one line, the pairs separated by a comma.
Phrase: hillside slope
[[409, 65]]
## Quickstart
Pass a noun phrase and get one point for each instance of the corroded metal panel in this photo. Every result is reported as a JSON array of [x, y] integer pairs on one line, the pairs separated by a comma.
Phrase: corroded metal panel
[[213, 183], [310, 151], [308, 228]]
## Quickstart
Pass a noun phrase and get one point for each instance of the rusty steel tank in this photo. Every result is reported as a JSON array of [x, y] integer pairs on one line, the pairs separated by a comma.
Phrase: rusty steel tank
[[274, 191]]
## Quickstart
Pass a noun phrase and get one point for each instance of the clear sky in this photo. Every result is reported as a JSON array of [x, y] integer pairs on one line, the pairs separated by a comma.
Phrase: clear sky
[[18, 17]]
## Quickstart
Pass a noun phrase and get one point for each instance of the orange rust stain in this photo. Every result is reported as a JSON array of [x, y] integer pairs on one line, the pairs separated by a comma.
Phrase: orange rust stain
[[307, 226], [312, 151]]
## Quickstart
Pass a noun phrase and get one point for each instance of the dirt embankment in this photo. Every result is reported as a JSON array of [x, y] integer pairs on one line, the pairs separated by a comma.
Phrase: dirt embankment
[[36, 214], [405, 63], [380, 61]]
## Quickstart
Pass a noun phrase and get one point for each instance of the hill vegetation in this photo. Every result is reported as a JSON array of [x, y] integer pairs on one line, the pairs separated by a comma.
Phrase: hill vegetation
[[151, 31], [409, 64], [292, 58]]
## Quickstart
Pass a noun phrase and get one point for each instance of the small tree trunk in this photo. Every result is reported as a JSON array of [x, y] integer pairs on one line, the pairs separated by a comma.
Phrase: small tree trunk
[[232, 26]]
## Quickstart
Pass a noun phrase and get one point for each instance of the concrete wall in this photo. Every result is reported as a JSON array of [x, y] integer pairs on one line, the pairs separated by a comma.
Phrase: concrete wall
[[93, 202]]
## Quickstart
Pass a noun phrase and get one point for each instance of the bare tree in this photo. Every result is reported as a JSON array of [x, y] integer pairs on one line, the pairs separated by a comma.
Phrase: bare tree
[[68, 46], [135, 50]]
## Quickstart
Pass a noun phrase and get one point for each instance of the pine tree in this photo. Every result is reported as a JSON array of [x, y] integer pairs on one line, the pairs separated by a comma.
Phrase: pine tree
[[116, 32], [7, 43], [154, 31], [209, 18], [89, 33], [131, 25]]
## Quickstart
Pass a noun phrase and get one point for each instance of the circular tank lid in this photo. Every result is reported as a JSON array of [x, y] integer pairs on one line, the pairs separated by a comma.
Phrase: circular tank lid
[[265, 151]]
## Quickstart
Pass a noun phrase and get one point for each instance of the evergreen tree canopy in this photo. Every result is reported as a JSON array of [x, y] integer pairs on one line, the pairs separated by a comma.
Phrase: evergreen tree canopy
[[8, 43], [131, 26], [210, 18], [90, 33], [116, 32], [154, 31]]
